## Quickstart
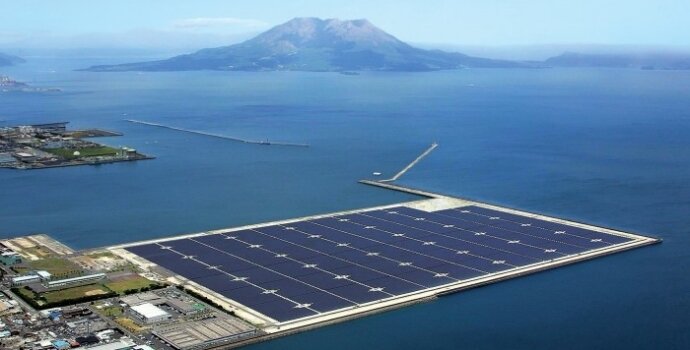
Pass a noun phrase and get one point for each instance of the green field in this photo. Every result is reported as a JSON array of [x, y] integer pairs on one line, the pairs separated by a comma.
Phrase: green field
[[26, 294], [112, 311], [64, 297], [137, 282], [74, 293], [58, 267], [86, 152]]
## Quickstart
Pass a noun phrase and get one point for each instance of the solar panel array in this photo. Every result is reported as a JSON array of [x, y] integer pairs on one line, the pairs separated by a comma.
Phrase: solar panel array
[[311, 267]]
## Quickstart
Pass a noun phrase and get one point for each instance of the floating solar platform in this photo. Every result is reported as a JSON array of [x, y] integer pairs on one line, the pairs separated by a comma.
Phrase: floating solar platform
[[310, 269]]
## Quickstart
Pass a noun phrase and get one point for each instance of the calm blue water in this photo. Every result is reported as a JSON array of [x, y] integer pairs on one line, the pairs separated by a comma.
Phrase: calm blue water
[[610, 147]]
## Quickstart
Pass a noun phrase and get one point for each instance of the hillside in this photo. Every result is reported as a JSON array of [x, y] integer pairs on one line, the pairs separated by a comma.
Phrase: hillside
[[9, 60], [312, 44], [670, 61]]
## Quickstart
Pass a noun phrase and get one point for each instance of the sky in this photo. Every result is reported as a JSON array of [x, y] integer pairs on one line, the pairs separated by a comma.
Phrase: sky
[[205, 23]]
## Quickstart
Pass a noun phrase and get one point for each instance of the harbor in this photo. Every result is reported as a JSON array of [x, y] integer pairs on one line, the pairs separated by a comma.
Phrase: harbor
[[436, 236], [52, 145], [308, 272], [224, 137], [412, 164], [262, 281], [432, 205]]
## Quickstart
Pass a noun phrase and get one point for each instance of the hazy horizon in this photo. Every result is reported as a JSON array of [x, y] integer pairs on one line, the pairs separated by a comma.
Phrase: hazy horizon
[[508, 52], [511, 28]]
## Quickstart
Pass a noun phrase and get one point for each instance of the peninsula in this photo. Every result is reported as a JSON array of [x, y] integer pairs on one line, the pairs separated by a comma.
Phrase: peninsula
[[9, 60], [8, 84], [43, 146]]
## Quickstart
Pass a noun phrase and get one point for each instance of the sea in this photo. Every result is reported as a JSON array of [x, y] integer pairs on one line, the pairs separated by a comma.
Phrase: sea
[[605, 146]]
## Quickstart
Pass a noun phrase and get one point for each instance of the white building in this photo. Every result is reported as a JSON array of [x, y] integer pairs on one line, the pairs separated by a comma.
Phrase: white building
[[120, 344], [44, 275], [148, 313], [26, 279], [75, 280]]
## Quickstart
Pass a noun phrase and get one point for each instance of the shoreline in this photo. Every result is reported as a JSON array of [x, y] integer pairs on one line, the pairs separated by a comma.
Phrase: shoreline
[[431, 202]]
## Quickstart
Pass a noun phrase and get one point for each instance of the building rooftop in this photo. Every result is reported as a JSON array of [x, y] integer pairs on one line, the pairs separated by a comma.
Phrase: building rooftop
[[142, 298], [143, 347], [76, 279], [121, 344], [43, 274], [24, 278], [149, 310], [181, 306], [204, 333]]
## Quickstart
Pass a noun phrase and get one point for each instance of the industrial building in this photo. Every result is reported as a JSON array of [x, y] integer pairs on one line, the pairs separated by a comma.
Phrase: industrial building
[[183, 307], [143, 347], [75, 280], [121, 344], [32, 277], [24, 280], [45, 276], [148, 313], [203, 334], [9, 257], [142, 298]]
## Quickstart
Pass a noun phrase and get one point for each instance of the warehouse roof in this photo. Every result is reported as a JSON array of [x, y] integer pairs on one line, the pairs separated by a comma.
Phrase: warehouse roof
[[149, 310]]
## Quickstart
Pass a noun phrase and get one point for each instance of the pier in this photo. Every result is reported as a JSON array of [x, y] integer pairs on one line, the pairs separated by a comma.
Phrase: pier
[[225, 137], [549, 242], [414, 162], [52, 145]]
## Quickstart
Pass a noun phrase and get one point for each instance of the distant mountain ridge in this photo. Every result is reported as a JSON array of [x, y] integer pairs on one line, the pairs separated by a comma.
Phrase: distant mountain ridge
[[313, 44], [9, 60], [670, 61]]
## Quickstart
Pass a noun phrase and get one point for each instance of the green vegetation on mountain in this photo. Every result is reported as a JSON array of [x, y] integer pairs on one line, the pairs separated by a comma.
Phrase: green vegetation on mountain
[[312, 44]]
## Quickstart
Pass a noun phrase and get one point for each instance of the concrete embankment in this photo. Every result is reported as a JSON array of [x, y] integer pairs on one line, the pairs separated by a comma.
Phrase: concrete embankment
[[225, 137]]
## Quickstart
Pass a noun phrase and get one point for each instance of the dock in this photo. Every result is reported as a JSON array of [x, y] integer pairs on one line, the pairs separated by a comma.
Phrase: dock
[[370, 260], [219, 136], [27, 147], [412, 164], [293, 275], [187, 251]]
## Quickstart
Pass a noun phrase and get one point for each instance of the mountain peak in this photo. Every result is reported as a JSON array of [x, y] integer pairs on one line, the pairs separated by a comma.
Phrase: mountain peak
[[305, 32], [313, 21], [315, 44]]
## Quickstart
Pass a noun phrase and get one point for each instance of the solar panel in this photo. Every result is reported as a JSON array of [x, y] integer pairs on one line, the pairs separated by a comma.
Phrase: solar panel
[[310, 267], [544, 227]]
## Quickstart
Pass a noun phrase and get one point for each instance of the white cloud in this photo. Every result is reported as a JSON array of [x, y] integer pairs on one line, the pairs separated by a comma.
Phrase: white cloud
[[219, 22], [182, 35], [179, 41]]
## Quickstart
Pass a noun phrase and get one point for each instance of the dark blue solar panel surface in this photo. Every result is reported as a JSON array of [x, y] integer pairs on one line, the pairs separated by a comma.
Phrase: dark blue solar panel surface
[[316, 266]]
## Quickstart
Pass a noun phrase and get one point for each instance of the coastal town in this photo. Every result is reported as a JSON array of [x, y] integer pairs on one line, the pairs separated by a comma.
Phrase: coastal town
[[52, 297], [236, 286], [8, 84], [52, 145]]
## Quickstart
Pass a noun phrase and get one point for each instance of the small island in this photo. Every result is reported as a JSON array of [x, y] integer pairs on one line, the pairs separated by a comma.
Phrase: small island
[[8, 84], [43, 146]]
